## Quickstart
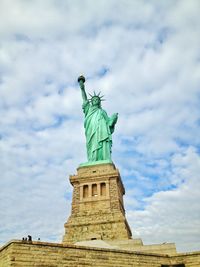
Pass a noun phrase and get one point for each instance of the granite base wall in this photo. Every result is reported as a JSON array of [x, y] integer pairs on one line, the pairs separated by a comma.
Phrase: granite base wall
[[42, 254]]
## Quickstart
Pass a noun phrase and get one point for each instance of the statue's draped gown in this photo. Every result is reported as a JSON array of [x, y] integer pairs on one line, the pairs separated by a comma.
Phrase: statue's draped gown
[[98, 131]]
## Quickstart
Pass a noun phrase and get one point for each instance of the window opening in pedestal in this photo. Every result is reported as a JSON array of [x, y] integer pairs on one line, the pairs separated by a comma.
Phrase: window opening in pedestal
[[103, 189], [85, 191], [94, 190]]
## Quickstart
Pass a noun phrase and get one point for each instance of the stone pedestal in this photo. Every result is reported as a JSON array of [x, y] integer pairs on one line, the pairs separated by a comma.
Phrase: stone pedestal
[[97, 205]]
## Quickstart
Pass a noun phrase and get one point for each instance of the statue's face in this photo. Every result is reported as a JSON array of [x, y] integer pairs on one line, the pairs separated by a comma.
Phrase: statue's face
[[96, 101]]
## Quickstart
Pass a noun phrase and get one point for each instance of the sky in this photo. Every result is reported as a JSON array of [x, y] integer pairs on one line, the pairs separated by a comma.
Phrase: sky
[[144, 57]]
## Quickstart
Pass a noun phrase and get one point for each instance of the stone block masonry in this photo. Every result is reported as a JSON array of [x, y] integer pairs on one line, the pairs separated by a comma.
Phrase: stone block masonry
[[97, 205], [42, 254]]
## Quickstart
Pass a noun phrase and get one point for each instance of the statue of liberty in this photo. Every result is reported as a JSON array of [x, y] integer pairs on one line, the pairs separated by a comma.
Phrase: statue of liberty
[[98, 126]]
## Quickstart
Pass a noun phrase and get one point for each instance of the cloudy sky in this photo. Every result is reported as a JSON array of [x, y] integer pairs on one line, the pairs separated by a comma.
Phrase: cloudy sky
[[144, 57]]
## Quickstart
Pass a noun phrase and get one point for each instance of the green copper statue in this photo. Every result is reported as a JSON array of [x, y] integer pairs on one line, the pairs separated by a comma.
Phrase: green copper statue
[[98, 126]]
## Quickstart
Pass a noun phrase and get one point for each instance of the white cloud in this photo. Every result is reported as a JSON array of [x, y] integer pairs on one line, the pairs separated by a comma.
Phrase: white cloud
[[149, 52], [175, 212]]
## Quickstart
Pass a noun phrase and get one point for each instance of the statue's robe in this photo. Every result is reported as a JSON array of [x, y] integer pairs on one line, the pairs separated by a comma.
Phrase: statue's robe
[[98, 130]]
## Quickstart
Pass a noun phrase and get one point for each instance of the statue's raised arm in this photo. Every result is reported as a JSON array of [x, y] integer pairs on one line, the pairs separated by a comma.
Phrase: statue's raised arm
[[98, 126], [81, 81]]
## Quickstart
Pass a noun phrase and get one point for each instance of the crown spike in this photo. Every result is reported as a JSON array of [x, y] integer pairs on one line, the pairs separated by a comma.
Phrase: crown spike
[[96, 95]]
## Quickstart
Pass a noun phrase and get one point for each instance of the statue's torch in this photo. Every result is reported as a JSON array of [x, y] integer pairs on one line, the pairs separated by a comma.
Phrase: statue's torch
[[81, 81]]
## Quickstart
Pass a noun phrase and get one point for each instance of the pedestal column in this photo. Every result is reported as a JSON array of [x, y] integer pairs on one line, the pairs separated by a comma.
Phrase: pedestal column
[[97, 216]]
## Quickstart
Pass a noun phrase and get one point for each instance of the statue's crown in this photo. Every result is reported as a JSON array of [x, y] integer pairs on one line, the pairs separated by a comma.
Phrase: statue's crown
[[96, 95]]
